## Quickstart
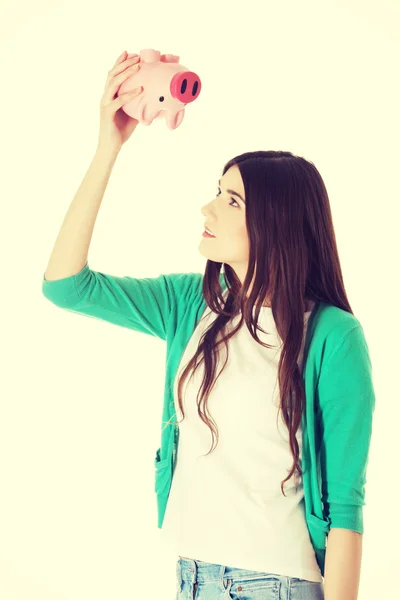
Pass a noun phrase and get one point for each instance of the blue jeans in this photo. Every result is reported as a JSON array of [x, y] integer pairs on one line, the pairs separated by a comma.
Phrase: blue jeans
[[197, 580]]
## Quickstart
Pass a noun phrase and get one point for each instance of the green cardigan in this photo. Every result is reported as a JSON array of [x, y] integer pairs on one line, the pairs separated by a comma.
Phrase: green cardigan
[[337, 376]]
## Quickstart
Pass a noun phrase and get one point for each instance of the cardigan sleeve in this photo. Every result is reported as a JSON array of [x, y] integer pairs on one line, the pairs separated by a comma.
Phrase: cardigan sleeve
[[345, 406], [142, 304]]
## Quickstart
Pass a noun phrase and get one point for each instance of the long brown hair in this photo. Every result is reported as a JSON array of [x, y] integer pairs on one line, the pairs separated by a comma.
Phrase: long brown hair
[[293, 254]]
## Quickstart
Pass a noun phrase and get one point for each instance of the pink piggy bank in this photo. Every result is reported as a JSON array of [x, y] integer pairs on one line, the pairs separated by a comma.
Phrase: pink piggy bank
[[167, 87]]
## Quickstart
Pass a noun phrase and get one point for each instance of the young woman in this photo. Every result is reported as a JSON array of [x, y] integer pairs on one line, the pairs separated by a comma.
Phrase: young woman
[[265, 357]]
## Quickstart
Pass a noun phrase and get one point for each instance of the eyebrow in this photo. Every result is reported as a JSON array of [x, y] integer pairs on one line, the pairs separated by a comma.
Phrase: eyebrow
[[234, 193]]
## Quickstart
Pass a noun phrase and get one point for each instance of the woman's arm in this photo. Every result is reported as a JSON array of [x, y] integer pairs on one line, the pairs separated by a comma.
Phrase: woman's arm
[[342, 564], [71, 247]]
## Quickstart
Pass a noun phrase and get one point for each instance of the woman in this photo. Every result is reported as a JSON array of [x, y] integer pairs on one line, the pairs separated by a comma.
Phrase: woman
[[245, 518]]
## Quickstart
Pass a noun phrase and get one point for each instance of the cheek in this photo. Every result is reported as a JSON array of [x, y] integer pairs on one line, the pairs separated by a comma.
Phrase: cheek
[[242, 238], [246, 241], [243, 233]]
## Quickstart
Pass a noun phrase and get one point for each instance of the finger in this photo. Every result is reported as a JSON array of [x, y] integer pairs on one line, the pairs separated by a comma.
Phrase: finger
[[120, 58], [125, 98], [121, 66], [119, 72], [115, 83], [116, 103]]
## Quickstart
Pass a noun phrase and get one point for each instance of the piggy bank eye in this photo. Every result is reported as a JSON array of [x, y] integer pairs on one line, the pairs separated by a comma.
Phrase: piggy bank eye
[[161, 99]]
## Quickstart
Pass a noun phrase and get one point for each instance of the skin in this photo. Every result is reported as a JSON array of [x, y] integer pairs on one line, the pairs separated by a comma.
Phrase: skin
[[225, 216]]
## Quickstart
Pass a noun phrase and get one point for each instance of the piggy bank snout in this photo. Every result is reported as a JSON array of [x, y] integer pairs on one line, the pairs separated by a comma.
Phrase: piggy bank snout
[[185, 86]]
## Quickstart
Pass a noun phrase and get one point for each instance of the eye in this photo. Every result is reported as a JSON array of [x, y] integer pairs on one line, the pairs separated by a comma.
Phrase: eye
[[230, 203]]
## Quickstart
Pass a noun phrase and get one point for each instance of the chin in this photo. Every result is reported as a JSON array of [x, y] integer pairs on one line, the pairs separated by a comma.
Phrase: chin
[[209, 255]]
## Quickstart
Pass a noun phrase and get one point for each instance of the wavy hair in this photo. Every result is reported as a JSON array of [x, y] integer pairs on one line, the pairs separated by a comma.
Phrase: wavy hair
[[294, 258]]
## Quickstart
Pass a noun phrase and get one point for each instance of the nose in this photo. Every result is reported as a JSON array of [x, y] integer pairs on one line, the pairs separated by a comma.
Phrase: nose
[[204, 210], [208, 208], [185, 86]]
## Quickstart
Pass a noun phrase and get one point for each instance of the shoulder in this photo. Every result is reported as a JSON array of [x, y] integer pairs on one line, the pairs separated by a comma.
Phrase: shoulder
[[184, 287], [190, 282], [333, 322], [337, 331]]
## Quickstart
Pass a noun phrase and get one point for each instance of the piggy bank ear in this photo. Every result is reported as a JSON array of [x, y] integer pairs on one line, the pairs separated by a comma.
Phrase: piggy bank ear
[[169, 58], [142, 117]]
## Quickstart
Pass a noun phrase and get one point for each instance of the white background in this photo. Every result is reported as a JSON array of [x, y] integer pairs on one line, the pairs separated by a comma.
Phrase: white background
[[81, 399]]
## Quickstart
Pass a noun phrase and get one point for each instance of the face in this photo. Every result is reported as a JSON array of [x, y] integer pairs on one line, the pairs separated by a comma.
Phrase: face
[[225, 216]]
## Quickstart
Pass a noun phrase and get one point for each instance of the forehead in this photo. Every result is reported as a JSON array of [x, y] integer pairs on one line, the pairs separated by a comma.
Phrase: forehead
[[232, 180]]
